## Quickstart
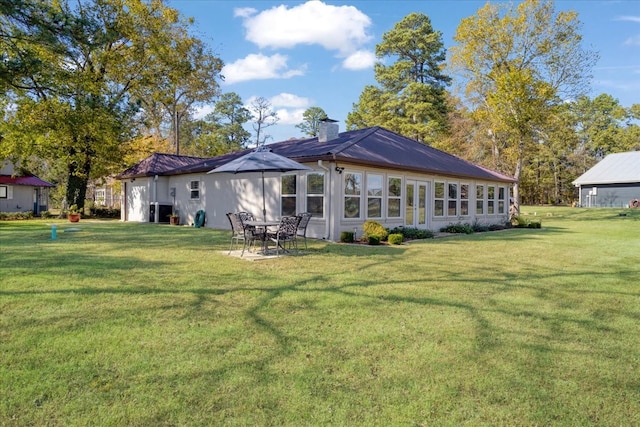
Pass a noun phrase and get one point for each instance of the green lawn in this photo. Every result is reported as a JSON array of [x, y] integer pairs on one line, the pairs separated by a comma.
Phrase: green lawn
[[145, 325]]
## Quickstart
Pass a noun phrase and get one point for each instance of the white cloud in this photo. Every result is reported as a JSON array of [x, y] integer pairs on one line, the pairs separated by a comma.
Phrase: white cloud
[[243, 12], [259, 67], [336, 28], [359, 60], [289, 100], [201, 111], [291, 107], [629, 18], [633, 41], [290, 117]]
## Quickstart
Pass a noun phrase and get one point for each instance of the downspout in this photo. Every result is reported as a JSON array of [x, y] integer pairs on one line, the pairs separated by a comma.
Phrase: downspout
[[329, 211], [156, 218], [155, 188]]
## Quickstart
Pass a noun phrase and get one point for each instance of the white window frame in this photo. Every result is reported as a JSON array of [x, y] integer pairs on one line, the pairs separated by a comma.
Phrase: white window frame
[[481, 201], [194, 190], [502, 194], [442, 199], [4, 192], [316, 195], [391, 197], [357, 196], [379, 197], [491, 201], [464, 200], [293, 195], [453, 200]]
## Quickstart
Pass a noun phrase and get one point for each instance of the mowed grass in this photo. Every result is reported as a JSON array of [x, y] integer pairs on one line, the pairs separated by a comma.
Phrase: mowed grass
[[139, 325]]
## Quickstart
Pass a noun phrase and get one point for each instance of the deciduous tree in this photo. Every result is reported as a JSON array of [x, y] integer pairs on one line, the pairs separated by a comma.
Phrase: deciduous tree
[[519, 64], [263, 117], [76, 73]]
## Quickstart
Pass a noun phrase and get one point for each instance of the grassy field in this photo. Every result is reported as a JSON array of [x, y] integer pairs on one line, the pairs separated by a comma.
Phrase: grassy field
[[145, 325]]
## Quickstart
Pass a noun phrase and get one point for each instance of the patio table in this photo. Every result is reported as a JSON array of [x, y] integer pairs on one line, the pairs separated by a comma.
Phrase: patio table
[[265, 225]]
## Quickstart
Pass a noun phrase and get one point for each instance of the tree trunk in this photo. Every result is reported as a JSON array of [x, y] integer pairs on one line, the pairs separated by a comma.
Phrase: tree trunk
[[77, 181], [516, 187]]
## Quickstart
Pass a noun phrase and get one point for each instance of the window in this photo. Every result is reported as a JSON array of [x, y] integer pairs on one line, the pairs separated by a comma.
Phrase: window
[[491, 196], [479, 199], [194, 186], [438, 195], [315, 194], [3, 192], [352, 194], [452, 203], [288, 195], [501, 200], [101, 197], [374, 196], [394, 197], [464, 199]]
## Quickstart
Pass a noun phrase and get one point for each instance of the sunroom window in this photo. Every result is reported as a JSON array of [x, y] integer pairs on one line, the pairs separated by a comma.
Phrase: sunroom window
[[452, 201], [479, 199], [438, 199], [464, 199], [394, 197], [374, 196], [491, 200], [352, 194]]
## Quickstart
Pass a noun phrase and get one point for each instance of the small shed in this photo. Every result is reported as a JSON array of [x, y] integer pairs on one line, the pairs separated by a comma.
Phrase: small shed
[[21, 191], [613, 182]]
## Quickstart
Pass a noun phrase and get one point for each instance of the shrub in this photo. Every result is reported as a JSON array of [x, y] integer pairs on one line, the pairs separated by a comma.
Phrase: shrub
[[374, 229], [458, 228], [346, 237], [412, 233], [395, 239], [46, 214], [479, 228], [16, 215], [373, 240], [520, 222], [102, 212]]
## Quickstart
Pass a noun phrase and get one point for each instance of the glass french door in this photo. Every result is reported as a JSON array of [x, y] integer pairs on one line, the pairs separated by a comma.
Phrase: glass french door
[[415, 211]]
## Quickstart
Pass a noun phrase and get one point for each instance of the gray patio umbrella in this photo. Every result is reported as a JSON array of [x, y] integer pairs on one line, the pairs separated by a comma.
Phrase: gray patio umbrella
[[261, 160]]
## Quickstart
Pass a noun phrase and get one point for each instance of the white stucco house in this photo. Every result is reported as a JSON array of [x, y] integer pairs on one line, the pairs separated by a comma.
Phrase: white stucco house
[[612, 182], [366, 174]]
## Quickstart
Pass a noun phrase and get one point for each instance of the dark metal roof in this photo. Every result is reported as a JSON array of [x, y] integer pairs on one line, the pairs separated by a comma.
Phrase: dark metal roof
[[30, 180], [159, 164], [374, 146]]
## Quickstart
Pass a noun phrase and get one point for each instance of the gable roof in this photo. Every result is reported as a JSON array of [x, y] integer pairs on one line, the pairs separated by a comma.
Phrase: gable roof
[[159, 164], [374, 146], [29, 180], [615, 168]]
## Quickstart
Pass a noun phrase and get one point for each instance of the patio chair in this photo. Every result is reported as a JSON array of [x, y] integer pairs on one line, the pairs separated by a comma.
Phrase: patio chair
[[302, 227], [251, 232], [239, 231], [286, 234]]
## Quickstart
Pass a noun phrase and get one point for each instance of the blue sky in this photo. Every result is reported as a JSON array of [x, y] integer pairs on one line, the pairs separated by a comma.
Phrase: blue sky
[[321, 53]]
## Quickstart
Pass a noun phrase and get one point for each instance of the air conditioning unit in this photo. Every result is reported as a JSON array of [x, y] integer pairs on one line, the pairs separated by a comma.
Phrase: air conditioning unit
[[160, 212]]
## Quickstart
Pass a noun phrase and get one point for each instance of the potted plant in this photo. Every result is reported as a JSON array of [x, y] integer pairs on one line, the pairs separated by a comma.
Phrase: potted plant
[[73, 215], [174, 219]]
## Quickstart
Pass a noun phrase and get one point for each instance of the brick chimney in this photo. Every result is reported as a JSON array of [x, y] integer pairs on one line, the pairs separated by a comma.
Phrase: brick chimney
[[327, 130]]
